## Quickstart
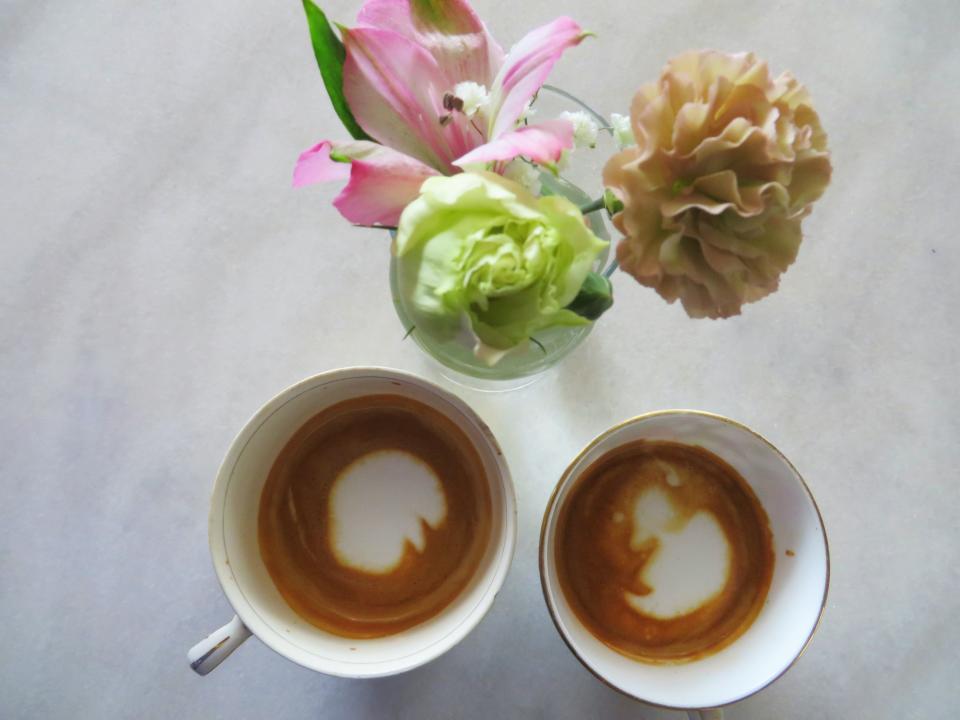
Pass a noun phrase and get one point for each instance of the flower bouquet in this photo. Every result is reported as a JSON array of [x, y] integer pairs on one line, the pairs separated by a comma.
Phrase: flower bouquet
[[498, 265]]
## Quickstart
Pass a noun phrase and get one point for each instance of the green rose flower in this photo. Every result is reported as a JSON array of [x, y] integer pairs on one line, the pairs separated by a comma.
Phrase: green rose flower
[[477, 250]]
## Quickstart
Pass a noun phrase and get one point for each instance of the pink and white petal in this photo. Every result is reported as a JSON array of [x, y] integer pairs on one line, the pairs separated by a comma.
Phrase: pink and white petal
[[542, 143], [395, 89], [526, 68], [382, 183], [451, 31], [315, 165]]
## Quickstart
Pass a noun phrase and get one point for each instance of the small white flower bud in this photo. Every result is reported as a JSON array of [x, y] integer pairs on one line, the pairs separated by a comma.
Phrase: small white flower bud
[[622, 130], [584, 128]]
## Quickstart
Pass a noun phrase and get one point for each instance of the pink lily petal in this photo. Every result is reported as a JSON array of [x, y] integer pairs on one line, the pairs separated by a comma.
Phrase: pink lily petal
[[315, 165], [395, 89], [450, 30], [525, 69], [542, 143], [382, 183]]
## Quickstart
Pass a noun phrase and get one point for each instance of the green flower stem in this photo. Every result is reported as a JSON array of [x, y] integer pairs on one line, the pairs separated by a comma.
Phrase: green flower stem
[[597, 204], [610, 270]]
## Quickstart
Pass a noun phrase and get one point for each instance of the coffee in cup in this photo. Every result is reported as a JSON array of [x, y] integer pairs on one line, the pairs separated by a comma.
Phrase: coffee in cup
[[663, 551], [375, 516]]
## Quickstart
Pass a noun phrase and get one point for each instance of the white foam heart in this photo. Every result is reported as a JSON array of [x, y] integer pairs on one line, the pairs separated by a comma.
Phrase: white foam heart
[[376, 506], [689, 566]]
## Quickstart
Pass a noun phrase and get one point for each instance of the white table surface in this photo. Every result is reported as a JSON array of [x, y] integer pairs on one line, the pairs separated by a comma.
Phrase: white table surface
[[161, 280]]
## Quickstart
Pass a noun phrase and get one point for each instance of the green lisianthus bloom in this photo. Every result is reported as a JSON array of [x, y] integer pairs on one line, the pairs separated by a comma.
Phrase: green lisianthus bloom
[[478, 250]]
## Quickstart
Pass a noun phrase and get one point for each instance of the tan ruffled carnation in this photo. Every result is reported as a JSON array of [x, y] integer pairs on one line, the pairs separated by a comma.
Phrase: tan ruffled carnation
[[727, 163]]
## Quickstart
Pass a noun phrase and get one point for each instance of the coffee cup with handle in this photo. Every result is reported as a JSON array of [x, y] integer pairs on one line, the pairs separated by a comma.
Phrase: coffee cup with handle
[[247, 583]]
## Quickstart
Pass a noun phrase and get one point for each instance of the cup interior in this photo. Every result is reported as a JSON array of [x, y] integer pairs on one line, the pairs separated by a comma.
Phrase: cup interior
[[246, 581], [797, 592]]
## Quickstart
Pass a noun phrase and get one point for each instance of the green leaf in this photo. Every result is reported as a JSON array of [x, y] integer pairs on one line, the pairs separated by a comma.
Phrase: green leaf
[[595, 297], [330, 55]]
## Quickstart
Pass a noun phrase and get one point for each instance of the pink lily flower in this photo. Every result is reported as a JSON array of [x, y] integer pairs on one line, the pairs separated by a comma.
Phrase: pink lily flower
[[403, 61]]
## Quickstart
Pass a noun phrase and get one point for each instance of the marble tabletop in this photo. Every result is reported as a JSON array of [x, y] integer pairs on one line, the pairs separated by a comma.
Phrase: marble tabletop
[[161, 280]]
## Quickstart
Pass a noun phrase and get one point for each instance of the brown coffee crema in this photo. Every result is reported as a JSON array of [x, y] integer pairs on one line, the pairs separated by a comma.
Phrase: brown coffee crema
[[598, 568], [296, 518]]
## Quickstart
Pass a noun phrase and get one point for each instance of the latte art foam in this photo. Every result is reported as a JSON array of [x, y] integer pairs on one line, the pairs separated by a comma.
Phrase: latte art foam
[[691, 561], [380, 503]]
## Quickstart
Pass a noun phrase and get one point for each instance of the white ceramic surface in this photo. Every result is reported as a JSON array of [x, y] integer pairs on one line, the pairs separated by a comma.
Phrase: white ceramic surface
[[161, 279], [797, 592], [247, 584]]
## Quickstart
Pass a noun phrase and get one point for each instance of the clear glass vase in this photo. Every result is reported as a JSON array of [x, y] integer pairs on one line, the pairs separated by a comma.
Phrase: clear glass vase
[[523, 365]]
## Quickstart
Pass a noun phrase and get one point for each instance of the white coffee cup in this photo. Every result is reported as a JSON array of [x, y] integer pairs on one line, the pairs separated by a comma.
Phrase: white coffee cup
[[262, 611], [795, 600]]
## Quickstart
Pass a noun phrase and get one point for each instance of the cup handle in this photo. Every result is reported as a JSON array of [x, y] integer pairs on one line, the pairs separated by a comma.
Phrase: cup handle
[[708, 714], [214, 649]]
